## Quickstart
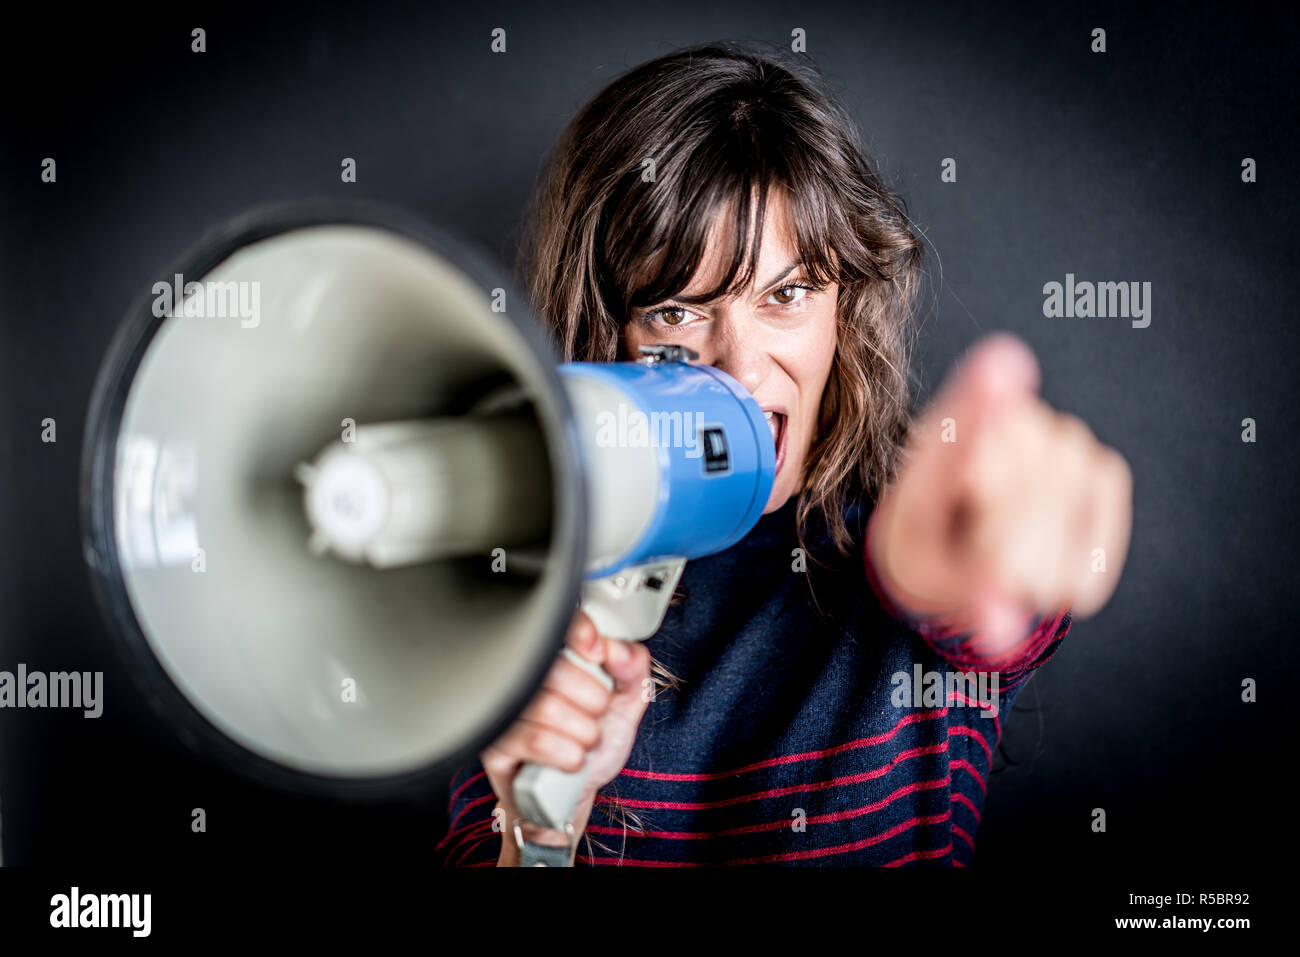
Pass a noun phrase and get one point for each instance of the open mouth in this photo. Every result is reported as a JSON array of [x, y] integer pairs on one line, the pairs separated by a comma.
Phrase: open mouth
[[776, 421]]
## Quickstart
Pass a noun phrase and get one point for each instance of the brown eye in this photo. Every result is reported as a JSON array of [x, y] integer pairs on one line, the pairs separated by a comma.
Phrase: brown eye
[[675, 317], [791, 294]]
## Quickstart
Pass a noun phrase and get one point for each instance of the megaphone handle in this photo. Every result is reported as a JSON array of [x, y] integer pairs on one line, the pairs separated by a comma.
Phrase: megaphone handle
[[547, 796], [628, 605]]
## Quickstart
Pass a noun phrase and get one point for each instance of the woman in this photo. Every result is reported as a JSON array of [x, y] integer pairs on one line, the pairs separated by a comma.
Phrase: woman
[[806, 704]]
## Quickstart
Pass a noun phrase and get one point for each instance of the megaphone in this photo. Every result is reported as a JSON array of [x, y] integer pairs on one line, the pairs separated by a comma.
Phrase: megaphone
[[340, 504]]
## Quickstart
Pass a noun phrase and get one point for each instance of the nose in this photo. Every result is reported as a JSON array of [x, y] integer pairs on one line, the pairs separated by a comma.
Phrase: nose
[[740, 355]]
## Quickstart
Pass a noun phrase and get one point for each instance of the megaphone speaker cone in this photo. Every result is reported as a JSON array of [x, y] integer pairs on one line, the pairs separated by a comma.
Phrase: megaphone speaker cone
[[355, 354]]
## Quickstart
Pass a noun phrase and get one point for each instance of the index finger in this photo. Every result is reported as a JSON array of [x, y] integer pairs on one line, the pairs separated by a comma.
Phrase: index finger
[[995, 371]]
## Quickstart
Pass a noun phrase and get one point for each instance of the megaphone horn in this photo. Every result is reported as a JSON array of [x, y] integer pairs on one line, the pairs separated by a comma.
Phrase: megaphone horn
[[314, 674]]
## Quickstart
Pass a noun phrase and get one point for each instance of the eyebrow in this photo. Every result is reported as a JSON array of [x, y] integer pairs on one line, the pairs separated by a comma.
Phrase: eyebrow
[[700, 300], [776, 279]]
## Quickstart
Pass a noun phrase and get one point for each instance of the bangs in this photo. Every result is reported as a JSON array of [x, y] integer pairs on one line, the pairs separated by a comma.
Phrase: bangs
[[704, 142], [729, 179]]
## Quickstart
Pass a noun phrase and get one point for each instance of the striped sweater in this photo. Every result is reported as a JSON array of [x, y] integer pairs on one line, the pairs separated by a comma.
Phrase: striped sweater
[[816, 725]]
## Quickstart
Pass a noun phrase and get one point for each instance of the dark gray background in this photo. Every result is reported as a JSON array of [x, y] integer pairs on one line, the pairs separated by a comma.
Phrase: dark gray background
[[1122, 166]]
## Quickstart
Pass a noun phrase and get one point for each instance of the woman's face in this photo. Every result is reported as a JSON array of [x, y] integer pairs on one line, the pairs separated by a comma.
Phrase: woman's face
[[776, 339]]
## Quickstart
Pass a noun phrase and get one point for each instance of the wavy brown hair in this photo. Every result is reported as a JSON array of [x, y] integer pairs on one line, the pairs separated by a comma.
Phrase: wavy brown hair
[[724, 124], [621, 214]]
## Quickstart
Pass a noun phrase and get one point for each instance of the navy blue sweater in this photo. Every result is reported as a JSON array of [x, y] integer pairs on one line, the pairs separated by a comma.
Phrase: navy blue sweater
[[816, 724]]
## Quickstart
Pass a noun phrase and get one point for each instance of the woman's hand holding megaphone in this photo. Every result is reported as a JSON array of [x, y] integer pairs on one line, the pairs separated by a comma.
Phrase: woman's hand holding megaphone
[[573, 721]]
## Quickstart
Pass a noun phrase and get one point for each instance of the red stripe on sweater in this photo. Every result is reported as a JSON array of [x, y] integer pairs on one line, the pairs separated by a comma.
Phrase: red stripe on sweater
[[810, 854], [921, 856], [926, 715], [776, 825], [471, 849], [964, 836], [455, 794], [1014, 659], [965, 765], [780, 792], [997, 721], [468, 827], [961, 729], [958, 796], [474, 803], [467, 832]]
